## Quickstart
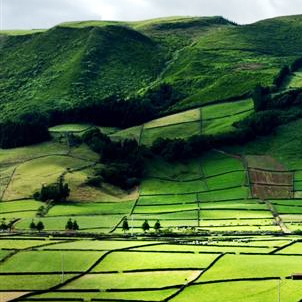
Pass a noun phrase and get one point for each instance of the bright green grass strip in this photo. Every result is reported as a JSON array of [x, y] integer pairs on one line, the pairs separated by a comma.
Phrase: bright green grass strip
[[236, 222], [252, 266], [170, 199], [288, 209], [246, 228], [59, 223], [243, 291], [131, 280], [155, 295], [221, 110], [241, 204], [234, 193], [222, 125], [186, 215], [185, 170], [287, 202], [22, 205], [298, 185], [155, 186], [98, 245], [50, 261], [90, 209], [19, 215], [120, 261], [222, 214], [164, 208], [214, 163], [130, 133], [298, 175], [70, 128], [22, 244], [204, 248], [31, 282], [295, 248], [182, 131], [186, 116], [229, 180]]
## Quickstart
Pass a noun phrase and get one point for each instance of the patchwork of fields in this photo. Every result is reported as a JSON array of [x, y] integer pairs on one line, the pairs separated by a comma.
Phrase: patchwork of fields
[[246, 268]]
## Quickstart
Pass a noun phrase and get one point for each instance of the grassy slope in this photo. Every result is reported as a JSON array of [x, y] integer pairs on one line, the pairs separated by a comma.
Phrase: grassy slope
[[206, 58]]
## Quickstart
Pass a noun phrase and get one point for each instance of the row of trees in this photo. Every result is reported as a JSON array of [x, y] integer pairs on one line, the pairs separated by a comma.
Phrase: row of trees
[[39, 226], [145, 226]]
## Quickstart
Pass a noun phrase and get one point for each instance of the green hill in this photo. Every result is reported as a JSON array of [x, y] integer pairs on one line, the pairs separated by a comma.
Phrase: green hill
[[206, 59]]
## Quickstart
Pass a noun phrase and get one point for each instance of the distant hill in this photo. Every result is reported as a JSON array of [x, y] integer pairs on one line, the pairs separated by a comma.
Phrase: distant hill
[[206, 59]]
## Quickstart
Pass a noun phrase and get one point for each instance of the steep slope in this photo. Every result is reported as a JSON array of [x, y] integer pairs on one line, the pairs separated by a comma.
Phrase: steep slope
[[64, 66], [205, 59]]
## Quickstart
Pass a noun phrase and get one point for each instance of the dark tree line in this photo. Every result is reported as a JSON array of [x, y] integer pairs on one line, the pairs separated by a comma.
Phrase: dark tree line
[[27, 130]]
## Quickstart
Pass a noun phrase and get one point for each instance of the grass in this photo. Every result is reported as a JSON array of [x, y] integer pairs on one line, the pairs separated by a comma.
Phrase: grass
[[22, 244], [154, 186], [243, 291], [186, 116], [170, 199], [105, 222], [221, 110], [132, 280], [22, 205], [123, 261], [295, 248], [129, 133], [73, 209], [30, 176], [233, 179], [50, 261], [30, 282], [295, 80], [70, 128], [223, 214], [98, 245], [180, 131], [253, 266], [155, 295], [227, 194]]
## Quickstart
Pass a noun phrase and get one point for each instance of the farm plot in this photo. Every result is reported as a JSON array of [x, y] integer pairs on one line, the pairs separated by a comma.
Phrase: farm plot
[[295, 248], [183, 130], [30, 176], [50, 261], [70, 128], [252, 266], [295, 80], [243, 291], [129, 261], [268, 178]]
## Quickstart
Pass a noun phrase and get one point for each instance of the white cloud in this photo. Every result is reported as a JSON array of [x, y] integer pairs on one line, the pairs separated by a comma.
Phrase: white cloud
[[47, 13]]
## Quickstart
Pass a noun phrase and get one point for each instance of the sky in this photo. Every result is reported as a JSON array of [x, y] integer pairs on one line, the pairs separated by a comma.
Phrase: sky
[[29, 14]]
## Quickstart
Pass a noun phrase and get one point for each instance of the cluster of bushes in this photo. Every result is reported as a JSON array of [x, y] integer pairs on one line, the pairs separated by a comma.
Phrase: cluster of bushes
[[123, 160], [27, 130], [36, 227], [71, 225], [57, 192], [281, 76]]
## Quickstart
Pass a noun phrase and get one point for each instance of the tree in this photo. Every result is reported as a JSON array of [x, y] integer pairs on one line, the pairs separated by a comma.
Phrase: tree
[[69, 225], [75, 226], [125, 225], [3, 225], [32, 226], [145, 226], [157, 226], [40, 226]]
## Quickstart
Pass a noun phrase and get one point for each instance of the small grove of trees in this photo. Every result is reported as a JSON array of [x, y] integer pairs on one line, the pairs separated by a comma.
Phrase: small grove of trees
[[123, 160], [71, 225], [281, 76], [36, 227], [297, 64], [53, 192], [7, 225], [146, 226]]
